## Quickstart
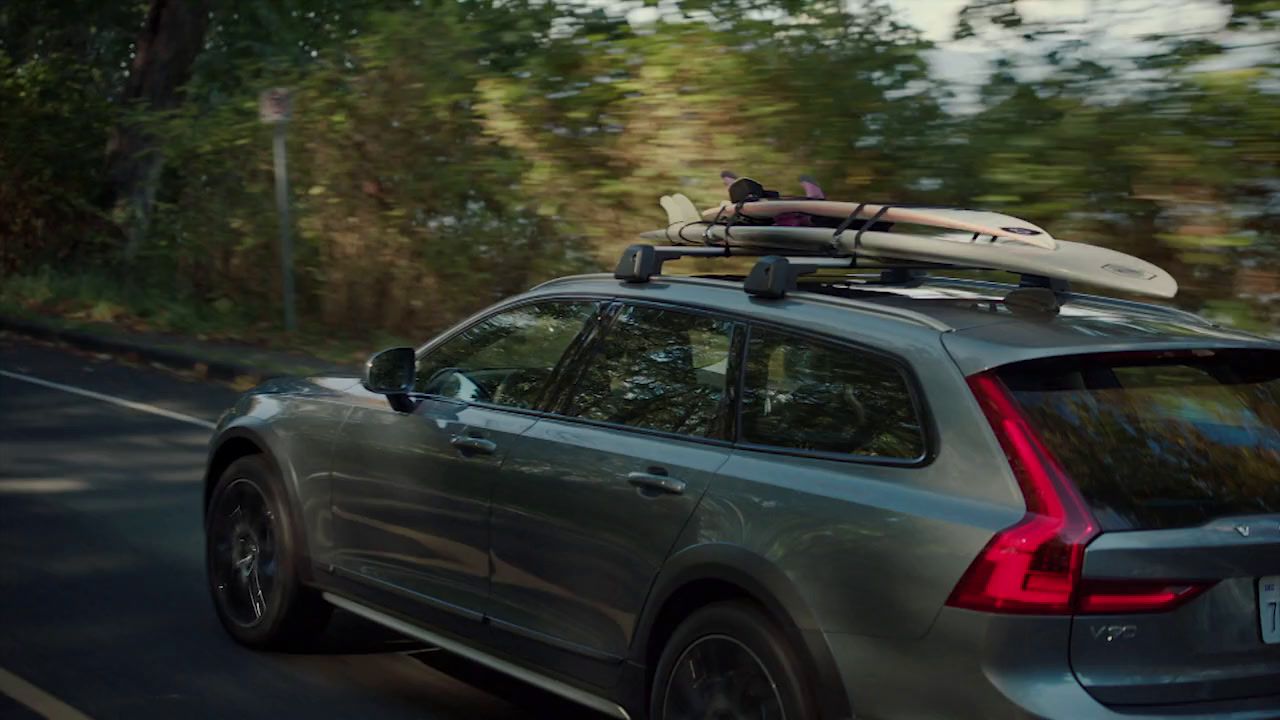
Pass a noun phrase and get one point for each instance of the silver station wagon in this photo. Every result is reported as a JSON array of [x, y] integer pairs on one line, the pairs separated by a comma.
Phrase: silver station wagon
[[785, 495]]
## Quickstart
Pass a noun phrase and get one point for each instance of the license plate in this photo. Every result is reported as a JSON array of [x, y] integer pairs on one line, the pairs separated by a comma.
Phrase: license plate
[[1269, 607]]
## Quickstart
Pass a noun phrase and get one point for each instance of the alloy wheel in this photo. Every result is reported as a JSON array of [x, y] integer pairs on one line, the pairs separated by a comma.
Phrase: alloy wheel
[[243, 557], [719, 678]]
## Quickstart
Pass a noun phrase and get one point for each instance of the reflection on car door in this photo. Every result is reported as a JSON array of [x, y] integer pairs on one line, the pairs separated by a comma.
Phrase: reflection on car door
[[411, 490], [594, 497]]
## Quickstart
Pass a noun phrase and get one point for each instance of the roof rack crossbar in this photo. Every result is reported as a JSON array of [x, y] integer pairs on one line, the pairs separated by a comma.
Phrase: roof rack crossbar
[[641, 262], [772, 276]]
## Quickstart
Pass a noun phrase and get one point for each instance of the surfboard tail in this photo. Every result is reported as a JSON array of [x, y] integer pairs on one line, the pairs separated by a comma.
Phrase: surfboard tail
[[680, 209]]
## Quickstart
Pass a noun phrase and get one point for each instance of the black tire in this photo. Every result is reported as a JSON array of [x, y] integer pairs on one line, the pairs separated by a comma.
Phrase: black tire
[[704, 670], [252, 562]]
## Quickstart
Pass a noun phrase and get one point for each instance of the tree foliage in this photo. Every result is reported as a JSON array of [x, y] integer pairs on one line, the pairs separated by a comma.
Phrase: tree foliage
[[446, 153]]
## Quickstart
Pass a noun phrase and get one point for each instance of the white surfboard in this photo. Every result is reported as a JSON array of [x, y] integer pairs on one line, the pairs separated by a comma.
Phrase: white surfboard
[[973, 221], [1071, 261]]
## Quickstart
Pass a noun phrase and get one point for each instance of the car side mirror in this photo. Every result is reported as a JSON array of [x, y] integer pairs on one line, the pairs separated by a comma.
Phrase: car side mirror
[[391, 373]]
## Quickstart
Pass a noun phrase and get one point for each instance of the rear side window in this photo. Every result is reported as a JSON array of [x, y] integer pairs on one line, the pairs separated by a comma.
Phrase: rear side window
[[1161, 442], [660, 369], [810, 395]]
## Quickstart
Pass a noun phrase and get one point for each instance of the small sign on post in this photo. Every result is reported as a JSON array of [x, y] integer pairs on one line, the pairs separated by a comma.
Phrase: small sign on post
[[274, 108]]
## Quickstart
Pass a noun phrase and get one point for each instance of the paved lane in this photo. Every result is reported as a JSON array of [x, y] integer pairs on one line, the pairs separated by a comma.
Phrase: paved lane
[[101, 580]]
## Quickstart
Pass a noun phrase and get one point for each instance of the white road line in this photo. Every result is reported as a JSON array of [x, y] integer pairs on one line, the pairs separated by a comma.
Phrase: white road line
[[140, 407], [44, 704]]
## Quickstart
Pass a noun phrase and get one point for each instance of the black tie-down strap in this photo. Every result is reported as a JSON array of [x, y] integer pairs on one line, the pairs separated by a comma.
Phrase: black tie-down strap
[[849, 221], [728, 223]]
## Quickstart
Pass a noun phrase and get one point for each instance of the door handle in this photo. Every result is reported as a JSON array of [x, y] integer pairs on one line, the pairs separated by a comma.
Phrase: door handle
[[654, 481], [474, 445]]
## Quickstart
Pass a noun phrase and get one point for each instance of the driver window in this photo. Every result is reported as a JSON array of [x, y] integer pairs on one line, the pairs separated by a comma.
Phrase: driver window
[[815, 396], [505, 359]]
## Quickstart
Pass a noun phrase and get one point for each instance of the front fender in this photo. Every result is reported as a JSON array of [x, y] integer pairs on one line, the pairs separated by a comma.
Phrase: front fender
[[296, 436], [240, 437]]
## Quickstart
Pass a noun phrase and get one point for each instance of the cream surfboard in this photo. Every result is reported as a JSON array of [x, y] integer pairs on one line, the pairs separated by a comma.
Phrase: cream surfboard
[[981, 222], [1071, 261]]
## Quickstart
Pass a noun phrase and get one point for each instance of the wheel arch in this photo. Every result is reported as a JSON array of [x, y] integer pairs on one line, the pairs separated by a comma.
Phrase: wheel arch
[[714, 572], [231, 446], [244, 440]]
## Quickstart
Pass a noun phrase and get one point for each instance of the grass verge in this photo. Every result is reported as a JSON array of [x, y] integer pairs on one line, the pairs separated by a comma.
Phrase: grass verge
[[96, 303]]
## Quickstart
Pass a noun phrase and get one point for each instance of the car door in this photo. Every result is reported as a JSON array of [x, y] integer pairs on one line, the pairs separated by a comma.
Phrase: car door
[[590, 504], [411, 490]]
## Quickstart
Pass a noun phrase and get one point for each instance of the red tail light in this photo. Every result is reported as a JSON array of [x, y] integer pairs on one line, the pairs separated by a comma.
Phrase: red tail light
[[1121, 597], [1034, 567]]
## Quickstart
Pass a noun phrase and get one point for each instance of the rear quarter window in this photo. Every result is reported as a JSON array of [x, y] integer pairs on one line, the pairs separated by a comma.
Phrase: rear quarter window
[[811, 395]]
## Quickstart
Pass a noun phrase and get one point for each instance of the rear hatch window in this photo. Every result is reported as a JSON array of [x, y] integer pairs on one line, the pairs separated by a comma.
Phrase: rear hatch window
[[1159, 441]]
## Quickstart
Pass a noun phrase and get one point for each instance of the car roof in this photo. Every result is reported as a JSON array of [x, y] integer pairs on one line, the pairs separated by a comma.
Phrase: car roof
[[981, 330]]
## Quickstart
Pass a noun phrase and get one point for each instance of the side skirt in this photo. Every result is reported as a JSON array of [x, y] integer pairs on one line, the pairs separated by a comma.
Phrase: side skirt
[[551, 685]]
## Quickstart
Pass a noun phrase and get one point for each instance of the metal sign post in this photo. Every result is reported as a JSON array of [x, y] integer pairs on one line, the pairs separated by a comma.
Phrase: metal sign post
[[274, 109]]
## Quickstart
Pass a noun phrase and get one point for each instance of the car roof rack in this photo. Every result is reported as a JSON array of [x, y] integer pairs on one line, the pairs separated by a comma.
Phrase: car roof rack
[[774, 274], [639, 263], [778, 272]]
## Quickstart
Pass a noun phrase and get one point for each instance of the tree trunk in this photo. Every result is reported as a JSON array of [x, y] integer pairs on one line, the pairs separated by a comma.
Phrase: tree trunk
[[167, 46]]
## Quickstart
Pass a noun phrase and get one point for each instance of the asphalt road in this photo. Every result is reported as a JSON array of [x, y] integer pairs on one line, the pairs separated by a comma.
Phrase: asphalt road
[[103, 609]]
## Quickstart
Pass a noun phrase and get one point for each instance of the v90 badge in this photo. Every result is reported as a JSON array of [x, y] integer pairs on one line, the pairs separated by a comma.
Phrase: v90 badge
[[1111, 633]]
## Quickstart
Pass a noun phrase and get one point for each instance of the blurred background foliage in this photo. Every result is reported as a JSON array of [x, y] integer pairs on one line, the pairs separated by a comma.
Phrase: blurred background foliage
[[445, 154]]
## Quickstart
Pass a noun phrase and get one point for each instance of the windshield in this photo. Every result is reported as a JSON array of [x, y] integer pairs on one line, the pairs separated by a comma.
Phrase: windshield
[[1161, 441]]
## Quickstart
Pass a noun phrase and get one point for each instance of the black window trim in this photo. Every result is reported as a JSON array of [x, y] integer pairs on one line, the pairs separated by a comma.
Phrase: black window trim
[[582, 359], [568, 369], [914, 391], [597, 328]]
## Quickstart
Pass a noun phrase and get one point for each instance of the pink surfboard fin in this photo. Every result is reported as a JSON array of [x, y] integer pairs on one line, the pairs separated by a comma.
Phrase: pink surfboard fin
[[811, 188], [811, 191]]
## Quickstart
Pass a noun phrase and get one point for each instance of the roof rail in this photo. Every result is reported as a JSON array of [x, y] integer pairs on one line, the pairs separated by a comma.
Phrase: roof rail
[[1137, 305], [1070, 295]]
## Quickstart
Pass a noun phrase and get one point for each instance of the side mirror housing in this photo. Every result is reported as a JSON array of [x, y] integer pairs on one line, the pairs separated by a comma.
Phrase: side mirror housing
[[391, 373]]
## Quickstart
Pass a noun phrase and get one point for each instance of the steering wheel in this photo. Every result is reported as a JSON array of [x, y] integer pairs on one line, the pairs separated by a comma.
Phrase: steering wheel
[[470, 391]]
